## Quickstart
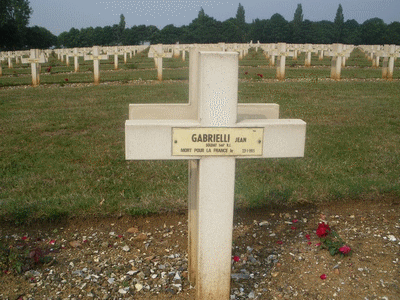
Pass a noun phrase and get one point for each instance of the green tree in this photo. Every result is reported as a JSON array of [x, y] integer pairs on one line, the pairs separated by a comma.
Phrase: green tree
[[308, 32], [204, 29], [373, 32], [297, 24], [170, 34], [339, 25], [241, 25], [393, 33], [324, 32], [240, 15], [14, 19], [119, 30], [352, 32], [40, 38], [277, 29], [257, 31]]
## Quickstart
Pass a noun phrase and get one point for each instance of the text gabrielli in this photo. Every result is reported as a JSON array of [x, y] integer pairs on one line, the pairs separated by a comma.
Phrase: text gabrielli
[[211, 138]]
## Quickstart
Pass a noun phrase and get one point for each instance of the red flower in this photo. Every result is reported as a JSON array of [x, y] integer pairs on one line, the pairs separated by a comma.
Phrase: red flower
[[24, 238], [345, 249], [49, 69], [295, 221], [236, 258], [318, 244], [309, 243], [279, 242], [308, 237], [245, 73], [120, 236], [323, 230], [52, 242], [293, 228], [323, 276], [260, 75], [66, 79]]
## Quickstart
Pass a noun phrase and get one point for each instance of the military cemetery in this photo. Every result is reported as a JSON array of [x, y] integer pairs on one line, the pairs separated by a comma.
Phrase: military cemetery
[[164, 164]]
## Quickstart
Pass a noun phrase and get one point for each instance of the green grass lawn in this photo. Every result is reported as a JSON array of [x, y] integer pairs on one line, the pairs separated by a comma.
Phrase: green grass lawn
[[62, 148]]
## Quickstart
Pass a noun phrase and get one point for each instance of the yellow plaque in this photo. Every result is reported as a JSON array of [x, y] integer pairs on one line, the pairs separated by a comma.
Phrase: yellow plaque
[[212, 141]]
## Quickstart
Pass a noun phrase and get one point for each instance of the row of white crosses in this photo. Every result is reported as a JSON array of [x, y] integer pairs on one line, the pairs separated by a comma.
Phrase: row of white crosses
[[211, 131], [160, 51], [389, 53], [338, 52]]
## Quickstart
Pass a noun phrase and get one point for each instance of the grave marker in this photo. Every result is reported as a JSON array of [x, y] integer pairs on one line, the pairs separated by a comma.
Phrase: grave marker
[[76, 55], [157, 53], [281, 64], [211, 122], [96, 57], [389, 55], [35, 60]]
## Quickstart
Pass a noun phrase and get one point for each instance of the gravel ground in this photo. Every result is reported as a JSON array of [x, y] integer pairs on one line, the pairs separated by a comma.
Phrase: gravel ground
[[146, 257]]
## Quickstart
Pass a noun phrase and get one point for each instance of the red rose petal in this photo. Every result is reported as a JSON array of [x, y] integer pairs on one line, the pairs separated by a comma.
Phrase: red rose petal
[[323, 276], [236, 258], [308, 237], [279, 242]]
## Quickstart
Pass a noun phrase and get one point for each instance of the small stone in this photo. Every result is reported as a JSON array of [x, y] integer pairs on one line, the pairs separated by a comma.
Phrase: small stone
[[132, 272], [141, 237], [138, 287], [126, 248], [240, 276], [74, 244], [391, 238], [111, 280], [263, 223], [122, 291], [336, 271], [104, 244], [251, 295], [133, 230], [274, 274]]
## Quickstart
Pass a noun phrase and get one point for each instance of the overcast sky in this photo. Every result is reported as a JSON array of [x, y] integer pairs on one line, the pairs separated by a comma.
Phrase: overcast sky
[[61, 15]]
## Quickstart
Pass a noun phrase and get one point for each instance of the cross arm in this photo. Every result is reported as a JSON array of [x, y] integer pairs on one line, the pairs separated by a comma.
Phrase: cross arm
[[152, 139]]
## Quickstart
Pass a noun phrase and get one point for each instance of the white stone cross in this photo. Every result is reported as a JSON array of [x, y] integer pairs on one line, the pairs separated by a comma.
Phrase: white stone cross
[[76, 55], [338, 54], [308, 49], [211, 136], [96, 57], [157, 53], [389, 54], [281, 63], [35, 60], [9, 55], [115, 51]]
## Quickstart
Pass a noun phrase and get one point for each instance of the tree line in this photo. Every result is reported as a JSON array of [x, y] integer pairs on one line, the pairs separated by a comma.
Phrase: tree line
[[14, 33]]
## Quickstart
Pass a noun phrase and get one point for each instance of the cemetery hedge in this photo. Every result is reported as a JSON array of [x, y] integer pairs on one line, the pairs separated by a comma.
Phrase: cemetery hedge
[[62, 144]]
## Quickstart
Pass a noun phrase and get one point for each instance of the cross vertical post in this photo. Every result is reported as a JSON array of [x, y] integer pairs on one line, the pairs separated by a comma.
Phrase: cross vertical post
[[216, 177]]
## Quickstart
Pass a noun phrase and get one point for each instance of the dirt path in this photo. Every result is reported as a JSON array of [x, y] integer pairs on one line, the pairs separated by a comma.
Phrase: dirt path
[[275, 258]]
